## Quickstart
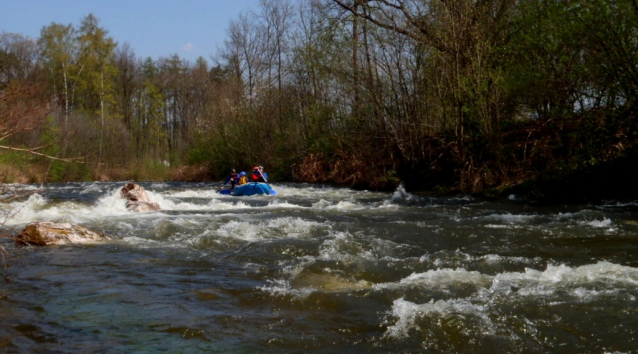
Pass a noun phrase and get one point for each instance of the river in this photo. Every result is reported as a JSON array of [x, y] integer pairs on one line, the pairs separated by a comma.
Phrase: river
[[320, 269]]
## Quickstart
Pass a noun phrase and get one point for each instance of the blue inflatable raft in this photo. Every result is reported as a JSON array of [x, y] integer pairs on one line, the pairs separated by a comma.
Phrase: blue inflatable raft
[[249, 189]]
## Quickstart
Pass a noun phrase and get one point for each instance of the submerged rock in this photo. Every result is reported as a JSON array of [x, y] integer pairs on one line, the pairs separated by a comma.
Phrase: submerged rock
[[329, 283], [137, 199], [46, 233], [141, 206]]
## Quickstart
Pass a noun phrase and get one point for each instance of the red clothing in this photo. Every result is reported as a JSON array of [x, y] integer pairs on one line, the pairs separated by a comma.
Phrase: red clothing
[[256, 175]]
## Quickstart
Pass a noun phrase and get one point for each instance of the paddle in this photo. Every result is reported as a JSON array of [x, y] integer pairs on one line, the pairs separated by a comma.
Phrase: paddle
[[263, 175], [261, 172]]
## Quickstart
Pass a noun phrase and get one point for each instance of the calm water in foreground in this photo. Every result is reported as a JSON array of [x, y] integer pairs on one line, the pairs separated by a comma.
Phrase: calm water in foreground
[[323, 270]]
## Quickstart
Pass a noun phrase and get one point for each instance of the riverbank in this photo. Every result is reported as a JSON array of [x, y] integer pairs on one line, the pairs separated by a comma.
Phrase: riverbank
[[604, 181]]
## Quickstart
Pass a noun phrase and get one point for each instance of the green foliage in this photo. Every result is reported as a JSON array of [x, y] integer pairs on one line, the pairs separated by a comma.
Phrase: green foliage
[[77, 172], [213, 152], [456, 95], [95, 53], [50, 140], [154, 171], [14, 160]]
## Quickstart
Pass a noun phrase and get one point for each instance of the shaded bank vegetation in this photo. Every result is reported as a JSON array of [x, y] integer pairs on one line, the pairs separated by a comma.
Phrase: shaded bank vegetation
[[492, 96]]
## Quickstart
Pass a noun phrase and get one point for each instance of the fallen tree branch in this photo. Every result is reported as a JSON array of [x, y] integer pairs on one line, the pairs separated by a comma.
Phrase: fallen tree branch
[[34, 152]]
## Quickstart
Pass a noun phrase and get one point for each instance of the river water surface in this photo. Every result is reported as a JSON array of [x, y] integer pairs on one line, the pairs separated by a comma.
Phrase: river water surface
[[320, 269]]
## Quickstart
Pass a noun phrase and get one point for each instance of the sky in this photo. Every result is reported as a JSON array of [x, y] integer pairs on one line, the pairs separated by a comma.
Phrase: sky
[[152, 28]]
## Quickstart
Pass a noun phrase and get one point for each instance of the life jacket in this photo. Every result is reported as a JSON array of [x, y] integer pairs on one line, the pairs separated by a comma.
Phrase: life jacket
[[242, 180], [256, 174]]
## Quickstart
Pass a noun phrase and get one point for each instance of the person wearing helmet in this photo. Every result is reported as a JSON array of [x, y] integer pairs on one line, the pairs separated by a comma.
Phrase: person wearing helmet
[[258, 175], [242, 178], [232, 179], [263, 174]]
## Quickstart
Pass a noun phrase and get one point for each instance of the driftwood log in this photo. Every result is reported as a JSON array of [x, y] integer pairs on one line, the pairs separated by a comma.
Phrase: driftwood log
[[47, 233], [137, 199]]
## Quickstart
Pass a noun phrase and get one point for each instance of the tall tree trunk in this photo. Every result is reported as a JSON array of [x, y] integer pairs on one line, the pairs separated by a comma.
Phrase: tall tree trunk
[[355, 63], [99, 157]]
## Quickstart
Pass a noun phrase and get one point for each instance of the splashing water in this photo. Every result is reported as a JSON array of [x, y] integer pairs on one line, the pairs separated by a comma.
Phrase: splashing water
[[318, 268]]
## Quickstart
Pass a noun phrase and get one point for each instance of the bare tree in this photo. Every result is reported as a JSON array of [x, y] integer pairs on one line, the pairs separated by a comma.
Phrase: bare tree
[[278, 17], [245, 50], [23, 108]]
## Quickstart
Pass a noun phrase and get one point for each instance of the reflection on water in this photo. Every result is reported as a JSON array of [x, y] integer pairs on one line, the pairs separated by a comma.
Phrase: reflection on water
[[320, 269]]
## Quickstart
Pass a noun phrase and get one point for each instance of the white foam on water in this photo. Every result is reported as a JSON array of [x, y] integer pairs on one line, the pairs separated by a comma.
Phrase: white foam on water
[[428, 225], [23, 187], [241, 230], [351, 205], [22, 212], [216, 203], [38, 208], [111, 204], [304, 284], [281, 191], [281, 287], [567, 279], [140, 242], [158, 185], [197, 239], [440, 279], [583, 214], [586, 294], [122, 225], [341, 246], [508, 218], [189, 222], [167, 203], [278, 204], [599, 224], [323, 192], [498, 259], [464, 198], [617, 205], [293, 270], [321, 204], [196, 193], [345, 247], [92, 188], [408, 314], [295, 227], [531, 282], [387, 204], [558, 284], [450, 259], [339, 206], [501, 226], [400, 194], [286, 227]]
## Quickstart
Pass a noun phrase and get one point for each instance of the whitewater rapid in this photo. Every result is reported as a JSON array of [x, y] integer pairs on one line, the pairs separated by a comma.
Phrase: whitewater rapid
[[368, 271]]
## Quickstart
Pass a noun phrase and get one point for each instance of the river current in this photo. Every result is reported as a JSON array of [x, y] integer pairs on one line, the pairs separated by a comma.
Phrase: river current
[[320, 269]]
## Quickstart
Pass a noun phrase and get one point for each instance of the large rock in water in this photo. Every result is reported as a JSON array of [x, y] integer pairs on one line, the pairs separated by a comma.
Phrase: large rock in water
[[137, 199], [46, 233]]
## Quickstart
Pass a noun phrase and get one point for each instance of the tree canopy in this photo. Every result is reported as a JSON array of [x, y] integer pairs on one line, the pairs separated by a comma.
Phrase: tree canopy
[[467, 95]]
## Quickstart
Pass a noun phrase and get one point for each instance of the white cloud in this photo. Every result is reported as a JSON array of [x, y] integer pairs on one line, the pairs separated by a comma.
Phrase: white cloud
[[188, 47]]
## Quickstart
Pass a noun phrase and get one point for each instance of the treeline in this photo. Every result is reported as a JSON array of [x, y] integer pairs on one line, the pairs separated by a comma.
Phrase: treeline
[[458, 94]]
